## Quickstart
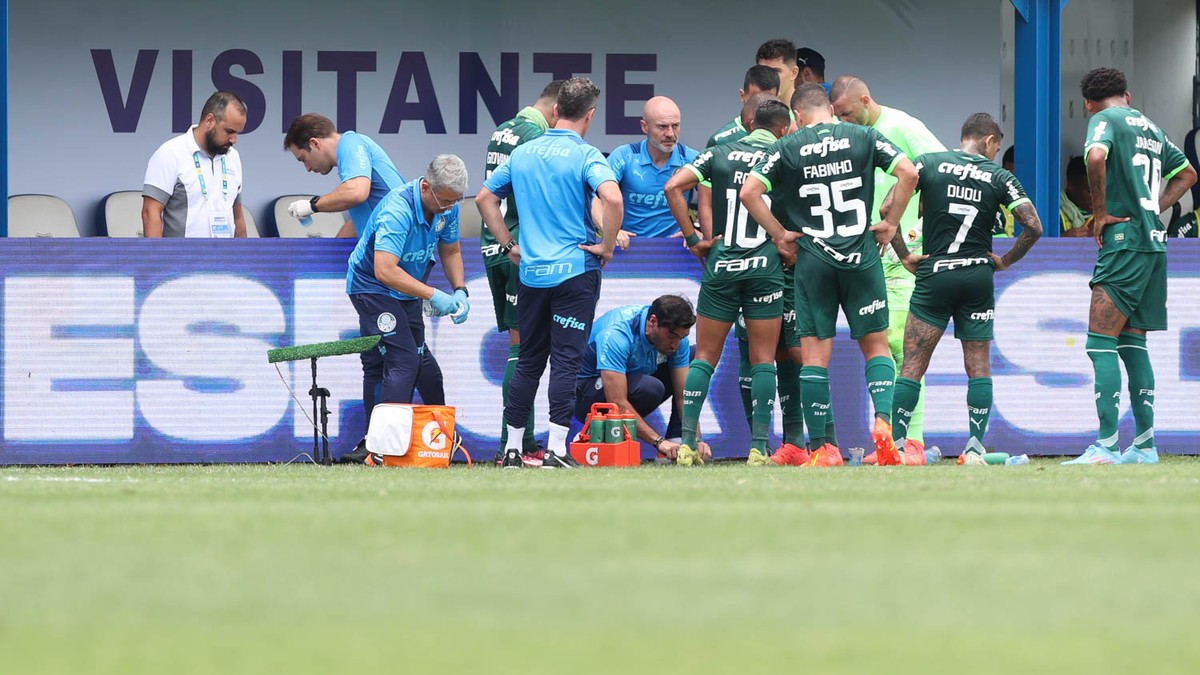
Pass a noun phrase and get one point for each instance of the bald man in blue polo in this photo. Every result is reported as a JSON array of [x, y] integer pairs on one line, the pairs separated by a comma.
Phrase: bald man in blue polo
[[644, 167]]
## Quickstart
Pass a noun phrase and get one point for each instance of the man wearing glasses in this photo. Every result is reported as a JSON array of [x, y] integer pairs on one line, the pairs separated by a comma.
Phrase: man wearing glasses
[[388, 270]]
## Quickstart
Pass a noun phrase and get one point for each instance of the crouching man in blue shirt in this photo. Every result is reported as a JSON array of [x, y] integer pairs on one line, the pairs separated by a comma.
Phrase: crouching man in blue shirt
[[386, 279], [637, 357]]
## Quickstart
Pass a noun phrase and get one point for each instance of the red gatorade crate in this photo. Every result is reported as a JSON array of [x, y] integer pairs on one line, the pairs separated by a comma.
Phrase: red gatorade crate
[[608, 438]]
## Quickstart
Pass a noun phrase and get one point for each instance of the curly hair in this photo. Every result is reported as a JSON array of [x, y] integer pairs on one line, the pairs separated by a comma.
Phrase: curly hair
[[1103, 83]]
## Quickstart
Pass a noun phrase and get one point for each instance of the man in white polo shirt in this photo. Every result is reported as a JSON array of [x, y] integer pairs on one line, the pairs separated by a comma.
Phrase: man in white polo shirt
[[193, 185]]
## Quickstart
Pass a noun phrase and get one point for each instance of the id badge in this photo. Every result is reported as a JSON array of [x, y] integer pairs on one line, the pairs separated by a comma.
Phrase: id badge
[[219, 227]]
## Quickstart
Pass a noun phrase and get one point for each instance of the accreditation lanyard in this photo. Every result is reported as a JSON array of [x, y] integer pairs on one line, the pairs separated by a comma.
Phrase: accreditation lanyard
[[200, 176]]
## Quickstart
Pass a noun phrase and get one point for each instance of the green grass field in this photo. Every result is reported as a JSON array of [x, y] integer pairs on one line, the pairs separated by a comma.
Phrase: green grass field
[[725, 569]]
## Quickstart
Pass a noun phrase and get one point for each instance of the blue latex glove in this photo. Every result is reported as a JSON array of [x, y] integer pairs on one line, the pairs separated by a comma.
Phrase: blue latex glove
[[464, 307], [443, 303]]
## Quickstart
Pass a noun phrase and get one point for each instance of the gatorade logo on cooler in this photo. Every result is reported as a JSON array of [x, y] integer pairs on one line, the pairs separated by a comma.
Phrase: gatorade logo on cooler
[[592, 456], [433, 437]]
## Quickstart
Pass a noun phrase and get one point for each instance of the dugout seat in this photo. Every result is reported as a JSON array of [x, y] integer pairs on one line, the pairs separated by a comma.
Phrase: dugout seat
[[40, 216], [251, 227], [324, 225], [122, 212], [470, 223]]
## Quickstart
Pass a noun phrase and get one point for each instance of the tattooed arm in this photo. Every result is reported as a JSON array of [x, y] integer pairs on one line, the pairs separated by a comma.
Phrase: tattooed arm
[[1097, 172], [1031, 231]]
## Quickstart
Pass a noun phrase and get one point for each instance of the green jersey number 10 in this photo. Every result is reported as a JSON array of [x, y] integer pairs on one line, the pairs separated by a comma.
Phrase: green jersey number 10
[[737, 224]]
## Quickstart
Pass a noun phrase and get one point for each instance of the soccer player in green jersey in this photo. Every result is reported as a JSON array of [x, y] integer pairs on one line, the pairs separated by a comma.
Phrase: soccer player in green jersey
[[1128, 158], [822, 181], [742, 273], [758, 79], [961, 195], [852, 102], [530, 122]]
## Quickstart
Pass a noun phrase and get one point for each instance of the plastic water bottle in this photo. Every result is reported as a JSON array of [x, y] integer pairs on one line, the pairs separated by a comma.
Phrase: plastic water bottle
[[306, 221], [856, 455], [933, 454], [1018, 460]]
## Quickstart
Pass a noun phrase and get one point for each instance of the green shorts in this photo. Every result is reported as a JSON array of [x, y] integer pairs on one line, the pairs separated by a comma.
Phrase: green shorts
[[1136, 281], [758, 298], [967, 294], [821, 288], [788, 337], [502, 279]]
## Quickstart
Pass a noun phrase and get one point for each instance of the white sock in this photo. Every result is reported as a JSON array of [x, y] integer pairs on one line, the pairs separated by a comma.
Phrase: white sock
[[515, 434], [557, 442]]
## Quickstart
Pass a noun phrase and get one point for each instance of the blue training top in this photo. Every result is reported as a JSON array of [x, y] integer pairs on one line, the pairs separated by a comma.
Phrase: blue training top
[[642, 182], [554, 178], [398, 226], [618, 343], [361, 157]]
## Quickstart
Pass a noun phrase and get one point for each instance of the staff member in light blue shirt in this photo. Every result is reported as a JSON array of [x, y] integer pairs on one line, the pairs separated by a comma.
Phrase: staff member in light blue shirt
[[637, 357], [366, 172], [387, 276], [559, 252], [644, 167]]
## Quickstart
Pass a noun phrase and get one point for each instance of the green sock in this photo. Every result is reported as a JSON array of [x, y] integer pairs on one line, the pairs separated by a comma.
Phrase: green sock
[[790, 402], [916, 426], [1102, 350], [979, 405], [814, 389], [695, 390], [744, 378], [1132, 350], [881, 378], [908, 392], [830, 434], [510, 367], [762, 387]]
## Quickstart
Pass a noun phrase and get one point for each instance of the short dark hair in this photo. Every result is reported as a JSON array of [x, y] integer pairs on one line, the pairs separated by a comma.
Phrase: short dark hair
[[576, 97], [810, 96], [981, 125], [307, 127], [220, 100], [777, 49], [1103, 83], [673, 311], [551, 90], [1009, 155], [1076, 168], [807, 57], [770, 114], [763, 77]]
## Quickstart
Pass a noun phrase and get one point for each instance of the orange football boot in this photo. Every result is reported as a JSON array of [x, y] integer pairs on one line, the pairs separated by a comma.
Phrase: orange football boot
[[826, 455], [885, 446], [790, 455], [914, 453]]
